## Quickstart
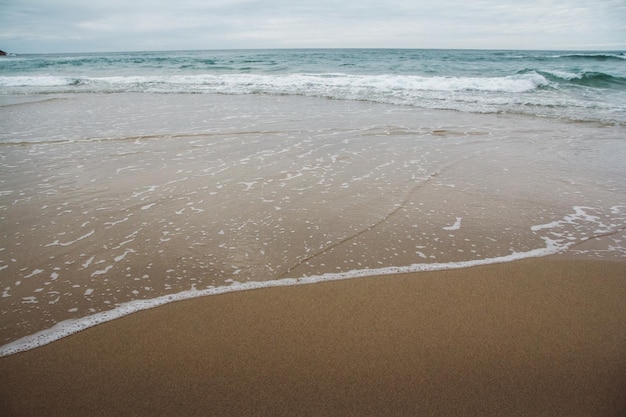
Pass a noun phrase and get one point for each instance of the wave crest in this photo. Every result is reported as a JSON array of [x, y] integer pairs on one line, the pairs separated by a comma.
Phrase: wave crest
[[592, 79], [594, 56]]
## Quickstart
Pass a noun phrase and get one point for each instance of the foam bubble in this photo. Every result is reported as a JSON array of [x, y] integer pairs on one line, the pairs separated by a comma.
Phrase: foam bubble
[[455, 226], [71, 242]]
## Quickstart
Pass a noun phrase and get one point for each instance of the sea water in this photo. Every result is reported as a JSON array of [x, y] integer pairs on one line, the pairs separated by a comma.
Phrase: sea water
[[577, 85], [129, 180]]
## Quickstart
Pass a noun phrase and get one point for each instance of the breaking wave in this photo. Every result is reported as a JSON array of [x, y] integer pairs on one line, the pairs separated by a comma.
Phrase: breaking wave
[[283, 84], [591, 79]]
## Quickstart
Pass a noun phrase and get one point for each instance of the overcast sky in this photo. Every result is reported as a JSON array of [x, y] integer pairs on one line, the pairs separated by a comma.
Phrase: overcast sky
[[28, 26]]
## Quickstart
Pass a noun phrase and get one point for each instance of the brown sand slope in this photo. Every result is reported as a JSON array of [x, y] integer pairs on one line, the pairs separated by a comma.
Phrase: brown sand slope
[[532, 338]]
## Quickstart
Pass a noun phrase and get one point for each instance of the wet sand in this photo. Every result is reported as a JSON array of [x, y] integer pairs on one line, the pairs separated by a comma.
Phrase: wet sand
[[190, 192], [529, 338]]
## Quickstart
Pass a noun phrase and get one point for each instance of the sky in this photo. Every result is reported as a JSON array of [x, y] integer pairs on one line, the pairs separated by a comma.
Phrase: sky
[[40, 26]]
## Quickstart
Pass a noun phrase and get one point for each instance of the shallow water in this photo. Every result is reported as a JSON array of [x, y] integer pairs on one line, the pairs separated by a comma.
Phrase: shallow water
[[108, 199]]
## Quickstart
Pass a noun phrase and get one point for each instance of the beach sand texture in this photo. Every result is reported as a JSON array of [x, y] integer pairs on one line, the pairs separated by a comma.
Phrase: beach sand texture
[[159, 197], [536, 337]]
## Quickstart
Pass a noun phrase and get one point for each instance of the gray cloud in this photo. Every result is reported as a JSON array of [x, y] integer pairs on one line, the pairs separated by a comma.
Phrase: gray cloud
[[66, 25]]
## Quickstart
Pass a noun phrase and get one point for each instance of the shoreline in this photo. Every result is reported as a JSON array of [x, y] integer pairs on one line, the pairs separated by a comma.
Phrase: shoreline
[[69, 327], [529, 337]]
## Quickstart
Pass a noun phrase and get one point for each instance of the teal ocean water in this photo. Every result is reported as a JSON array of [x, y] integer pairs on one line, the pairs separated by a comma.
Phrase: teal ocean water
[[131, 180], [584, 85]]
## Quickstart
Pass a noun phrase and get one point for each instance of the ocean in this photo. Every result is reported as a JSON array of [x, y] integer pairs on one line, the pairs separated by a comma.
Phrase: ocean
[[575, 85], [131, 180]]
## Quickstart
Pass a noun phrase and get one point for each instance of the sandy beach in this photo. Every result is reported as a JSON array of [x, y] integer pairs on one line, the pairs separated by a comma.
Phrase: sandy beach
[[529, 338], [509, 230]]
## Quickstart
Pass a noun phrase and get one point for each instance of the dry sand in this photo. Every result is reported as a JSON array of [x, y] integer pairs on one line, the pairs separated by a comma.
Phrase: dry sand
[[539, 337]]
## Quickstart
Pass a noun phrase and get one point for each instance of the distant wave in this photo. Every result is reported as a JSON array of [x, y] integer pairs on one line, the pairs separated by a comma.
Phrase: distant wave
[[582, 56], [591, 56], [586, 78], [116, 61], [599, 80], [594, 56]]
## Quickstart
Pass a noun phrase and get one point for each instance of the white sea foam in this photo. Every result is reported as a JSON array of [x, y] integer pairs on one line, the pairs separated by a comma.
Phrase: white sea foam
[[122, 256], [455, 226], [35, 81], [35, 272], [102, 271], [71, 242], [292, 83], [482, 94], [319, 84], [88, 262]]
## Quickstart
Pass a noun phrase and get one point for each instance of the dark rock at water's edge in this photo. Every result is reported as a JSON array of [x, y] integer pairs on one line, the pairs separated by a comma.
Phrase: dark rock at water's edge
[[2, 53]]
